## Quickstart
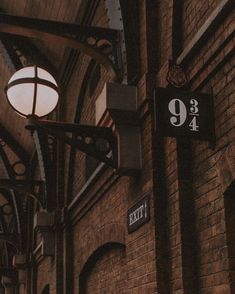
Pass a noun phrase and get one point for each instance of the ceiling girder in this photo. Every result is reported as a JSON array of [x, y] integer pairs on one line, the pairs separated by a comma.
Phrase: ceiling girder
[[14, 145], [84, 38]]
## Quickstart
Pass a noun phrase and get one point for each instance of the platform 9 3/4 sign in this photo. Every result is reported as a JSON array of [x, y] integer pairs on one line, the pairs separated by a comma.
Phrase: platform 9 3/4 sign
[[180, 113]]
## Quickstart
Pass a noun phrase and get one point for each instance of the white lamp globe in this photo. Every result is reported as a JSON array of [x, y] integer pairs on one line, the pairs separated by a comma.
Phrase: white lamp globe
[[32, 92]]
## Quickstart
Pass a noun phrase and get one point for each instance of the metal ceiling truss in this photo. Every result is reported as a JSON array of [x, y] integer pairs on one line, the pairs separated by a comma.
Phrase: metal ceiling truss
[[15, 187], [12, 213], [34, 189], [9, 54], [17, 52], [46, 147], [9, 238], [15, 196], [18, 183], [89, 74], [84, 17], [87, 39], [7, 138], [15, 162]]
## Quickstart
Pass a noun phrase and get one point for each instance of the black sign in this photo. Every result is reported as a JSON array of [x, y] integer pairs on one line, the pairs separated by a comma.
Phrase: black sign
[[180, 113], [138, 215]]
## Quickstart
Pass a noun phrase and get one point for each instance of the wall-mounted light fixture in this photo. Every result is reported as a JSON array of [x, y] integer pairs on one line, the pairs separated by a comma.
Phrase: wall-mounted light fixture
[[33, 93]]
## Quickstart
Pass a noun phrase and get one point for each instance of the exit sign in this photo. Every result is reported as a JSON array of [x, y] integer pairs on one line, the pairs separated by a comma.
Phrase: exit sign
[[188, 114], [138, 215]]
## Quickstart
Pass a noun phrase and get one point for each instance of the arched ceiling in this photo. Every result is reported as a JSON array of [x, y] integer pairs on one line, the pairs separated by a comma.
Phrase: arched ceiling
[[16, 145], [51, 10]]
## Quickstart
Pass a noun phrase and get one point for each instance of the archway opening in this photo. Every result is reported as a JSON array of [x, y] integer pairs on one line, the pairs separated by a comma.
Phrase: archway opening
[[104, 271]]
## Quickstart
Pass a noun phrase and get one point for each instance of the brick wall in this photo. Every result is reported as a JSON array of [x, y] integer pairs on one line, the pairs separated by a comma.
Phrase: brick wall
[[107, 274], [198, 261], [195, 13], [188, 244], [207, 69], [46, 275], [105, 222], [209, 199]]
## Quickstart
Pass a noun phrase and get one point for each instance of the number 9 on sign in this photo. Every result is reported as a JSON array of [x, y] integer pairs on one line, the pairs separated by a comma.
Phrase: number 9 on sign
[[178, 109]]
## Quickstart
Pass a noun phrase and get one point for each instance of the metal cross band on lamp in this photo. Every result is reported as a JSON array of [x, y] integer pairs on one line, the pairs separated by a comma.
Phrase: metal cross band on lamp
[[33, 93]]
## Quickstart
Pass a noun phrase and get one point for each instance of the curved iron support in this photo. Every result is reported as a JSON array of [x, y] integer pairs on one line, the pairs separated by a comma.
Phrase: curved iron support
[[27, 187], [11, 173], [9, 54], [14, 145], [98, 142], [89, 40]]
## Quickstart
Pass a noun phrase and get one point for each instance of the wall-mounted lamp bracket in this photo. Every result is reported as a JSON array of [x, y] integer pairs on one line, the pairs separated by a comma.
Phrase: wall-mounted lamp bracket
[[98, 142]]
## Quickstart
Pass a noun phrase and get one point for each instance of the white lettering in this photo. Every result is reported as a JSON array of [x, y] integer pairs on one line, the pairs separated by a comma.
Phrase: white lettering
[[136, 215]]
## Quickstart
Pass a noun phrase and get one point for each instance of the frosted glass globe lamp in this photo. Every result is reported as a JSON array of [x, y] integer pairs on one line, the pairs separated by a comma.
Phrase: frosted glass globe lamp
[[32, 92]]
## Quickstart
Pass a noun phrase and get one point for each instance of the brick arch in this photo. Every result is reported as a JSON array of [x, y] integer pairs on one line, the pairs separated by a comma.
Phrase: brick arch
[[117, 251], [108, 234]]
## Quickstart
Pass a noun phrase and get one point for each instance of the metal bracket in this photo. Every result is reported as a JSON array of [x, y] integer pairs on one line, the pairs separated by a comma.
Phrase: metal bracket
[[98, 142], [27, 187], [102, 44]]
